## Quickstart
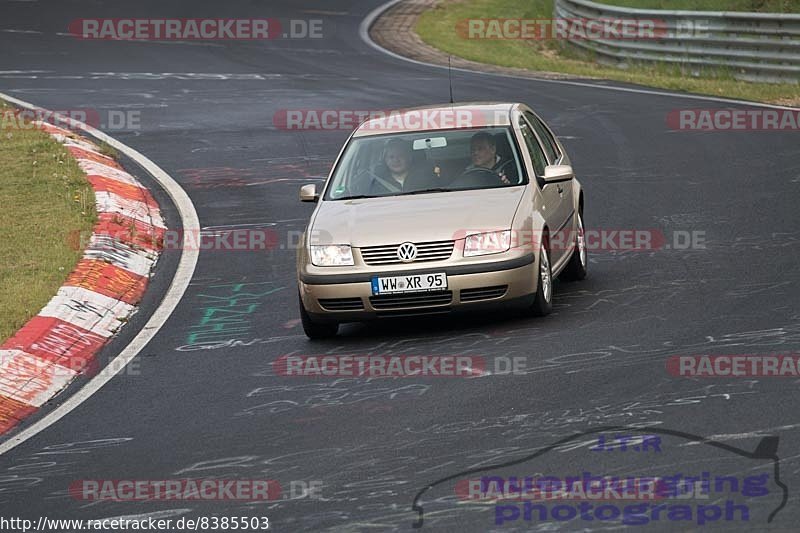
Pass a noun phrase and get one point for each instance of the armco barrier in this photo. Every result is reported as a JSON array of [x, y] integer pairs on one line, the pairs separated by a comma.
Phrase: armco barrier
[[750, 46]]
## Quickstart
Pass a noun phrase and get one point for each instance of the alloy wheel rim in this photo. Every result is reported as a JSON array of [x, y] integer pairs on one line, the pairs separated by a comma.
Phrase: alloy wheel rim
[[581, 242], [544, 273]]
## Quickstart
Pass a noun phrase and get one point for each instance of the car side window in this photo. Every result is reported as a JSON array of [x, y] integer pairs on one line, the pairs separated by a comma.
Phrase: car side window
[[550, 144], [537, 155]]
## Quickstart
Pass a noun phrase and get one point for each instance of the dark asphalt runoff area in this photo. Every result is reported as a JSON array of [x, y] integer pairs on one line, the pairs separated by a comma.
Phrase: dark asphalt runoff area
[[377, 447]]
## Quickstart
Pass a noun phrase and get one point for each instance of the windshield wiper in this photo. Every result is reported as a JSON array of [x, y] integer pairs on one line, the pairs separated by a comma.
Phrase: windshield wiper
[[423, 191], [357, 197]]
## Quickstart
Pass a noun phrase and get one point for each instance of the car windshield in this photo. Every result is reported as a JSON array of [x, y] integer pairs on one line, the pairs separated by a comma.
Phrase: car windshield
[[426, 162]]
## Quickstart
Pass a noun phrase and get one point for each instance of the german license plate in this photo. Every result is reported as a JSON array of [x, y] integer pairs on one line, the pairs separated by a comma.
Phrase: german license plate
[[411, 283]]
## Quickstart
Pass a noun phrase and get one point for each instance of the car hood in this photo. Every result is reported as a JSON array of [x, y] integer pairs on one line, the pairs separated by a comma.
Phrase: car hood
[[416, 218]]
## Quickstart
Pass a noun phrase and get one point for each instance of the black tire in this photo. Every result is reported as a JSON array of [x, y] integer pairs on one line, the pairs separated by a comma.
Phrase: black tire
[[578, 263], [543, 301], [316, 330]]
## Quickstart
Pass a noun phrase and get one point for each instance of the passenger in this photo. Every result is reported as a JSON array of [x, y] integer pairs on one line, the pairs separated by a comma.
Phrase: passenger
[[396, 167], [397, 173]]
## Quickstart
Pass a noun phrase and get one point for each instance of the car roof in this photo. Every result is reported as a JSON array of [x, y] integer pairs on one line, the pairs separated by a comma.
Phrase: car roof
[[436, 117]]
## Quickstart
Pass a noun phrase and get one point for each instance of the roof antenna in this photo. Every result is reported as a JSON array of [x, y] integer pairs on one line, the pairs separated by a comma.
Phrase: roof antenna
[[450, 77]]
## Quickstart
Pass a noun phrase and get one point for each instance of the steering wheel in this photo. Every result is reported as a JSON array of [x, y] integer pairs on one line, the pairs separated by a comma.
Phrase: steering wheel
[[477, 177]]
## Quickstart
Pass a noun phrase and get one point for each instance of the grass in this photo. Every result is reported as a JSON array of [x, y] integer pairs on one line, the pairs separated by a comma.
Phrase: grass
[[437, 27], [107, 149], [756, 6], [45, 200]]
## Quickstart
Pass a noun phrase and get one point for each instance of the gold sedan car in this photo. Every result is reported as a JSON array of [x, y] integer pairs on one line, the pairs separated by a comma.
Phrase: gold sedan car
[[440, 209]]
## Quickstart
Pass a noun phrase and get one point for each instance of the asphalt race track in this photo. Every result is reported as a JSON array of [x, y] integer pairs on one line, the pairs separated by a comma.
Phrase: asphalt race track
[[207, 110]]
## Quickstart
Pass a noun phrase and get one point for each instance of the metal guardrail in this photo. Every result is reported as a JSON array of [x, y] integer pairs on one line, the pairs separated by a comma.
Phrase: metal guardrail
[[749, 46]]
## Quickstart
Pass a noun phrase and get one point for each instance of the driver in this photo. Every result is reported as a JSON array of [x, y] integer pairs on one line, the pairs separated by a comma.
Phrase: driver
[[483, 149]]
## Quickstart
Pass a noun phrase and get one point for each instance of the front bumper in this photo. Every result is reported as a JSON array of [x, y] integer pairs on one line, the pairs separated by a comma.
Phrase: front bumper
[[348, 297]]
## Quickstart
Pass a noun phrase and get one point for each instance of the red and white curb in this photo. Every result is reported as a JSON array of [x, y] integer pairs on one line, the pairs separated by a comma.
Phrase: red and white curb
[[99, 295]]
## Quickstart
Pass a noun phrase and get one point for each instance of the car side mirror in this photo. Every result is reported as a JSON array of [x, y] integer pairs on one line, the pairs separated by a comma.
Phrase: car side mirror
[[558, 173], [308, 193]]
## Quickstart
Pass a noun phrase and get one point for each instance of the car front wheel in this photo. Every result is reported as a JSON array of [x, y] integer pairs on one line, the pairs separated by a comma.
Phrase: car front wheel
[[543, 301], [578, 263], [316, 330]]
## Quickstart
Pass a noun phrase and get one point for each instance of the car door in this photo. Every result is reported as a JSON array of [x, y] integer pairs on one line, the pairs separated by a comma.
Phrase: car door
[[564, 236], [551, 199]]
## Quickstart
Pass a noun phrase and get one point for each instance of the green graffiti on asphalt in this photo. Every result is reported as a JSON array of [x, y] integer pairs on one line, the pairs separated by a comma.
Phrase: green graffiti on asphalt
[[229, 311]]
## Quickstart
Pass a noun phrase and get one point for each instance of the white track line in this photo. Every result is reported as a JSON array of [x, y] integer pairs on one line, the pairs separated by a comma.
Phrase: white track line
[[375, 13], [183, 275]]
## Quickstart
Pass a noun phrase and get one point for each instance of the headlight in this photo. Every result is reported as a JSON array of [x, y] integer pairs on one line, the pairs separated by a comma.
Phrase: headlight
[[332, 255], [494, 242]]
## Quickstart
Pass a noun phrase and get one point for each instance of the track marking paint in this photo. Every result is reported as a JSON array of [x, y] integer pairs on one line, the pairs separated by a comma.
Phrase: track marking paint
[[176, 290]]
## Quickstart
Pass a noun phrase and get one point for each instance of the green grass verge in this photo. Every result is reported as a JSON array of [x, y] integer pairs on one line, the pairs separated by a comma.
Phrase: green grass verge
[[45, 199], [437, 27], [756, 6]]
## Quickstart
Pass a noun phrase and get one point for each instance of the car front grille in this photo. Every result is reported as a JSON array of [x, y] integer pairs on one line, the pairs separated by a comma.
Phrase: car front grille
[[426, 251], [483, 293], [341, 304], [417, 299]]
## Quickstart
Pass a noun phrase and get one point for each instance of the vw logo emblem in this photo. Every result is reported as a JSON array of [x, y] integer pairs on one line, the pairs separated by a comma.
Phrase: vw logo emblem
[[407, 252]]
